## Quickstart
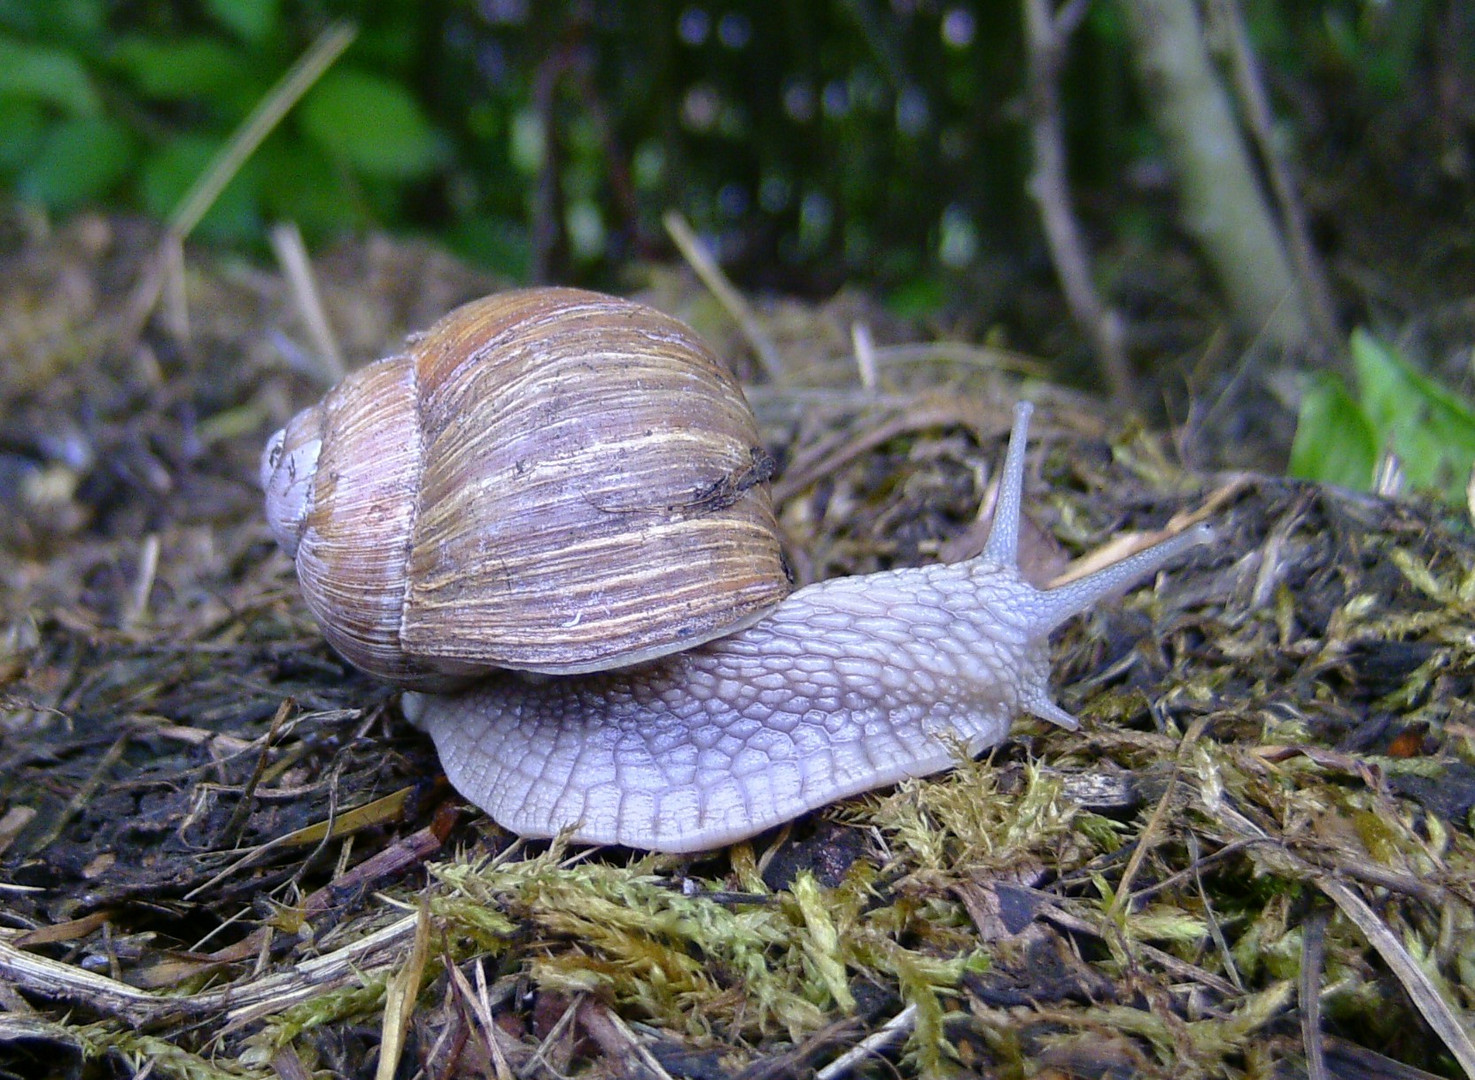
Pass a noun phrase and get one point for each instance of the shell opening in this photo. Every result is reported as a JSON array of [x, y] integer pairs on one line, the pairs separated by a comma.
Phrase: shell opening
[[286, 477]]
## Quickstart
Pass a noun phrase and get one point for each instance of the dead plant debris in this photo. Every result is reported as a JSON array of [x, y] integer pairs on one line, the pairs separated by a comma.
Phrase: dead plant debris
[[225, 855]]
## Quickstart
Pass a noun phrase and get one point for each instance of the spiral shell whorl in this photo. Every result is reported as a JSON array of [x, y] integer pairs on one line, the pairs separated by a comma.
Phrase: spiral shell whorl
[[549, 479]]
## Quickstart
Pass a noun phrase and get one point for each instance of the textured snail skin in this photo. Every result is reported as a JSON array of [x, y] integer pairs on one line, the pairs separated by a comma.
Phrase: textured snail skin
[[848, 685]]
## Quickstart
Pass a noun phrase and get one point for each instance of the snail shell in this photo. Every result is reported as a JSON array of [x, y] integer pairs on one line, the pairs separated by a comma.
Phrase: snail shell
[[550, 480]]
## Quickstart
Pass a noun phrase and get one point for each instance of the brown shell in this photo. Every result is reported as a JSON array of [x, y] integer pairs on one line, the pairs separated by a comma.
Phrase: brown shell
[[550, 479]]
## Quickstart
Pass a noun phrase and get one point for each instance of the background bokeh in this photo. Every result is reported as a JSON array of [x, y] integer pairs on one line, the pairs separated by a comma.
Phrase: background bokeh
[[881, 141]]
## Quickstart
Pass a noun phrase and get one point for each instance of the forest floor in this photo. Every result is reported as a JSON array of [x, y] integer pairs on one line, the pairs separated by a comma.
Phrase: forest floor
[[224, 853]]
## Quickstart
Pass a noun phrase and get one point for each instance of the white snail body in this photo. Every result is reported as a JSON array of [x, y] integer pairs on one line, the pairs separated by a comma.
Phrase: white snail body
[[843, 686]]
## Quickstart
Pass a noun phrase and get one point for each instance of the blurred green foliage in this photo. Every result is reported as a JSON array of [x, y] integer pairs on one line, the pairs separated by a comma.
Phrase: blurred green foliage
[[1340, 437], [101, 102], [811, 143]]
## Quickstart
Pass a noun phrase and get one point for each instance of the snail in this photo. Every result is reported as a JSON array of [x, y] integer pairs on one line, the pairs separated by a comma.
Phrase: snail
[[665, 690]]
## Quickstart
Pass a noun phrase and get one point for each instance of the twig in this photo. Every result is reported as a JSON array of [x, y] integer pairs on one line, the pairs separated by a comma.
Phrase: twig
[[291, 253], [889, 1034], [1222, 202], [481, 1005], [1308, 989], [302, 982], [14, 823], [617, 1040], [243, 806], [865, 354], [410, 851], [616, 160], [1047, 34], [338, 824], [550, 241], [143, 584], [400, 996], [935, 410], [288, 1065], [706, 268], [796, 1060], [1415, 981], [1251, 90], [1226, 955], [256, 127], [172, 285], [227, 162], [89, 787], [1182, 969], [51, 978], [560, 1029]]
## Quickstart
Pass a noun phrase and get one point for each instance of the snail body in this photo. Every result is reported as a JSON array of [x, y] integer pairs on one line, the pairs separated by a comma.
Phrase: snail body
[[840, 687], [847, 685]]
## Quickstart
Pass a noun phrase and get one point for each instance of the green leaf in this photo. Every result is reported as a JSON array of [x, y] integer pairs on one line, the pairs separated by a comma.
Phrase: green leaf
[[498, 243], [371, 123], [917, 298], [77, 160], [300, 184], [180, 70], [72, 22], [42, 74], [1431, 428], [1383, 385], [249, 20], [1335, 442], [21, 130], [169, 172], [1375, 360]]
